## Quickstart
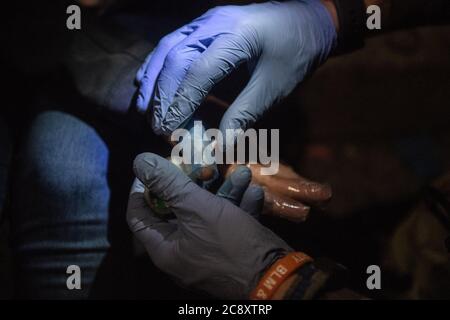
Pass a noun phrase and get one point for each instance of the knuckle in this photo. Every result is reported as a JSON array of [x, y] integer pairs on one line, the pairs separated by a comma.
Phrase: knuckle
[[173, 57], [246, 28], [166, 41]]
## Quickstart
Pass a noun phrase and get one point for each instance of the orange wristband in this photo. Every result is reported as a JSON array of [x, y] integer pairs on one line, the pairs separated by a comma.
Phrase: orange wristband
[[277, 274]]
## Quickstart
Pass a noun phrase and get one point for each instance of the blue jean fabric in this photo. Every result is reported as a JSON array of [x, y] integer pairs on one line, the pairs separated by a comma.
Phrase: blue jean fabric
[[70, 181], [63, 210]]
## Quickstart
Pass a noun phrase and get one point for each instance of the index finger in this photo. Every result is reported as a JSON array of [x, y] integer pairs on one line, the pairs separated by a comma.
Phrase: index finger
[[221, 58]]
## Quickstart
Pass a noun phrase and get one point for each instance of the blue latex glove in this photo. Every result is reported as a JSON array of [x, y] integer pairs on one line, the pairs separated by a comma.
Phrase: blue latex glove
[[214, 244], [282, 42]]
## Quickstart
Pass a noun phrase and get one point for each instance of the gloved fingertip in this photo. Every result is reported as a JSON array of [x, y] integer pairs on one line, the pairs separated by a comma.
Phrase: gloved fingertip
[[140, 102], [242, 175], [166, 130], [137, 187], [253, 200], [235, 185], [144, 159], [143, 68], [256, 192], [226, 125], [143, 166], [231, 130], [156, 124], [169, 126], [139, 75]]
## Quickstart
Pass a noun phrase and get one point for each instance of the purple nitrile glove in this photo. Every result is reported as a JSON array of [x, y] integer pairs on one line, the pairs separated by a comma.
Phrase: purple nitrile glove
[[215, 244], [281, 41]]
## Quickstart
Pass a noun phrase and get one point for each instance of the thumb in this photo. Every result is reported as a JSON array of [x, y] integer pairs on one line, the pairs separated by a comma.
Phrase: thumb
[[167, 182], [264, 89], [148, 228]]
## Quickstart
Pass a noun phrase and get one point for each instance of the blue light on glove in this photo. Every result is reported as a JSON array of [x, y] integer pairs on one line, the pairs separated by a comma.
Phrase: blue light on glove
[[281, 41]]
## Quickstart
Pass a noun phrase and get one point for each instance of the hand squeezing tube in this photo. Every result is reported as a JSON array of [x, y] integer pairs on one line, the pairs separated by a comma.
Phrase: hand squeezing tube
[[197, 172]]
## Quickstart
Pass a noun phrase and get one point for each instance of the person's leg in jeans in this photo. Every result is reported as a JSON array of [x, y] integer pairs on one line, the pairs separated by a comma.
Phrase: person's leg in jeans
[[61, 200]]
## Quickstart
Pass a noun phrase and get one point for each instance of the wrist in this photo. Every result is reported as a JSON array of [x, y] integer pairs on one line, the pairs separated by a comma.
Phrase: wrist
[[306, 280], [310, 280], [279, 276], [287, 287]]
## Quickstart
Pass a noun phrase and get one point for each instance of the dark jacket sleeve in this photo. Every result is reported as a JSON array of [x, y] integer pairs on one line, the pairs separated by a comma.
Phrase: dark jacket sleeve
[[410, 13], [99, 61], [102, 61]]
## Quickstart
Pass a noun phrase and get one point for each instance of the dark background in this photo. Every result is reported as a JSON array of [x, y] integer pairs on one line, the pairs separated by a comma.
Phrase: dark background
[[375, 124]]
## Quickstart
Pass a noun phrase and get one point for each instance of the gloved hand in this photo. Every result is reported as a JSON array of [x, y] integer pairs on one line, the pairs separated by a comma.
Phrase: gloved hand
[[214, 245], [281, 41]]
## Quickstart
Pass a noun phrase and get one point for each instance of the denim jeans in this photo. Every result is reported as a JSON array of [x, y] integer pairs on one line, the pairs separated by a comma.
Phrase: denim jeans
[[68, 205], [72, 174]]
